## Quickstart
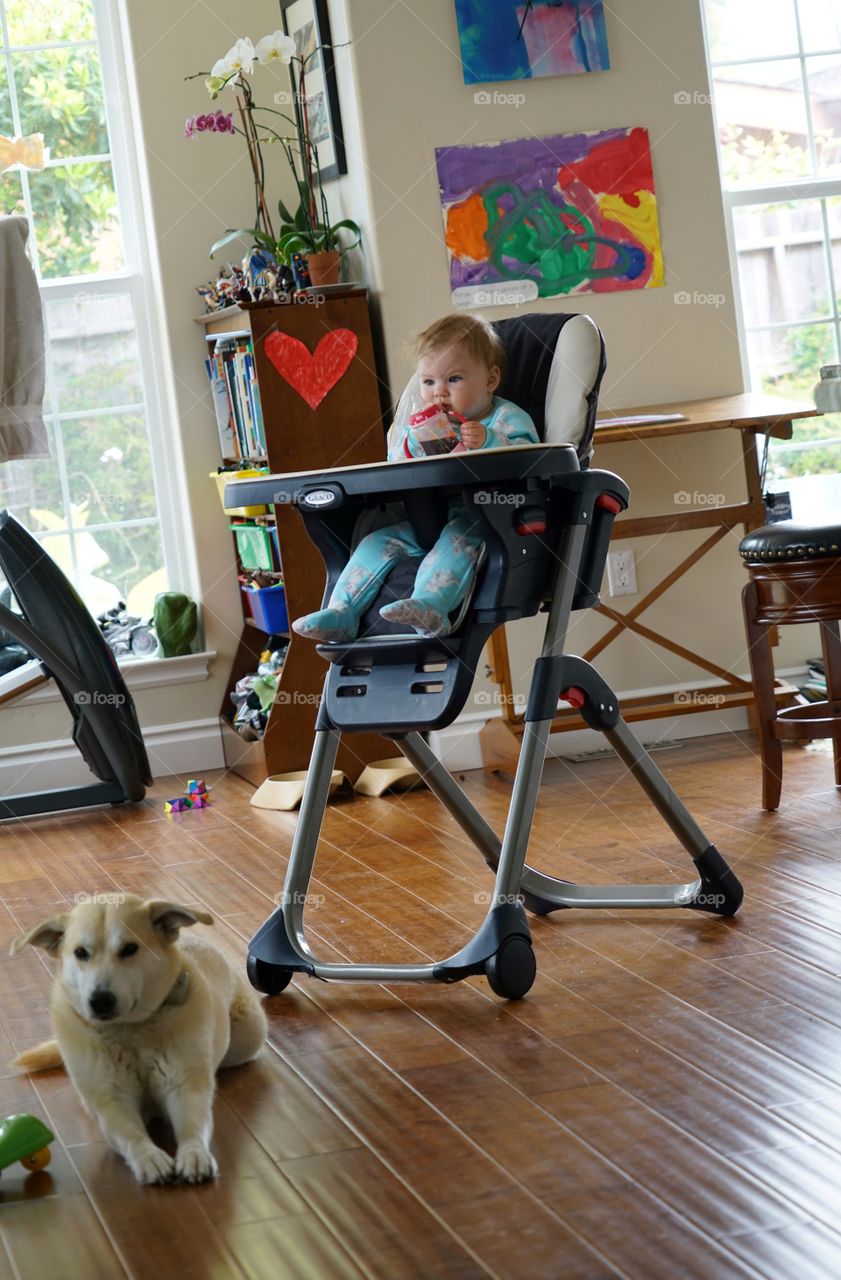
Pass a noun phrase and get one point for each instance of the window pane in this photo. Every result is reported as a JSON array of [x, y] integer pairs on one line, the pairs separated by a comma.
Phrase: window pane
[[822, 460], [824, 77], [93, 348], [90, 574], [787, 362], [135, 565], [34, 485], [762, 121], [45, 23], [60, 95], [820, 24], [833, 214], [75, 215], [109, 467], [11, 192], [782, 262], [750, 28]]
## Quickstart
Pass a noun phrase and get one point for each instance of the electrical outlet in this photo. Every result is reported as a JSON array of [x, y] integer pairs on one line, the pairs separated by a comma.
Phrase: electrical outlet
[[621, 573]]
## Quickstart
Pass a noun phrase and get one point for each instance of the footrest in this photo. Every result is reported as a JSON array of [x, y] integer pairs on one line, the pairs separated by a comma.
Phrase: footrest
[[397, 684], [384, 650], [811, 720]]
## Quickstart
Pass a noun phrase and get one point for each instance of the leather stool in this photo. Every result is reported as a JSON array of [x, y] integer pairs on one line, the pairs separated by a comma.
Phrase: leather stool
[[795, 576]]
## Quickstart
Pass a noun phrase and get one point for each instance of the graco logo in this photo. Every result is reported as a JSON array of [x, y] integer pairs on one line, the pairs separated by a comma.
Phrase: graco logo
[[319, 498]]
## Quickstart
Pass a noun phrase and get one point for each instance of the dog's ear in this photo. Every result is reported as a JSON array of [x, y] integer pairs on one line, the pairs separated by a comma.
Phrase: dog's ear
[[48, 934], [168, 917]]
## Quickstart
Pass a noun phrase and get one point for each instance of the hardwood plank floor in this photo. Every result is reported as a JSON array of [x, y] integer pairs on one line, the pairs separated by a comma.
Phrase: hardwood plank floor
[[665, 1103]]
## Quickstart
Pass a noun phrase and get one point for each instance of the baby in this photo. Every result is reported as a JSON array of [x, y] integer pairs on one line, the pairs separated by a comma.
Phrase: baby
[[460, 362]]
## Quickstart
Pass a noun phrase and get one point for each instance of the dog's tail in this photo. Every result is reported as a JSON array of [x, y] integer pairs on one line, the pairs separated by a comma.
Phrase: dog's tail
[[41, 1057]]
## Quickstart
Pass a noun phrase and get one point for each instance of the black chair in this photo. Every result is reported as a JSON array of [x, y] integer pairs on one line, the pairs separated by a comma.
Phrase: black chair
[[56, 628], [546, 520]]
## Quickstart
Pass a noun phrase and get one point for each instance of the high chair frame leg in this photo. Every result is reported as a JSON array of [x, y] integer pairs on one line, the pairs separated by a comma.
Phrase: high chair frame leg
[[501, 947]]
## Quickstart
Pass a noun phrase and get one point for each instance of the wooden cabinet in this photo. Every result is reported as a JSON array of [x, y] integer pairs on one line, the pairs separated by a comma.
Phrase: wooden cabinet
[[343, 428]]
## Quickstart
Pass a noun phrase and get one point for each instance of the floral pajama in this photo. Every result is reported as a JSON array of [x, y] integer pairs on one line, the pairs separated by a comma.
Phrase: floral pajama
[[441, 583]]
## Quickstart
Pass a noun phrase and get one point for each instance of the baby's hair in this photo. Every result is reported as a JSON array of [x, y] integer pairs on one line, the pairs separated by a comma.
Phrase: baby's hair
[[473, 332]]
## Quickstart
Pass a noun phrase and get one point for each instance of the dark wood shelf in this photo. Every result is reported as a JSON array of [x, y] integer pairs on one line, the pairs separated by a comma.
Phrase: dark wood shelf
[[345, 428]]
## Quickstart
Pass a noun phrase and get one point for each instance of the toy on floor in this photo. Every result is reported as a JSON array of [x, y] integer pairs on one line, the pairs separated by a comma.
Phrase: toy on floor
[[197, 797], [25, 1138]]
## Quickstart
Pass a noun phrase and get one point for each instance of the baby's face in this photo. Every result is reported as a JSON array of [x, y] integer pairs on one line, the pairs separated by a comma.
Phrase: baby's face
[[455, 379]]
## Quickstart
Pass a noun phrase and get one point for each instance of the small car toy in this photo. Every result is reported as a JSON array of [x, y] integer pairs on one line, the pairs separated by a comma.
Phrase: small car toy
[[27, 1139]]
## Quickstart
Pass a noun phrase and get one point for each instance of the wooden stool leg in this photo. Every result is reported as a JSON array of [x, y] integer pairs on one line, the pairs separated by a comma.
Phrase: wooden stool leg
[[762, 675], [831, 646]]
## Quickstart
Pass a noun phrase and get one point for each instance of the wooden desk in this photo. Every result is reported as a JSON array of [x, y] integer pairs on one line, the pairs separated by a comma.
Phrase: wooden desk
[[749, 414]]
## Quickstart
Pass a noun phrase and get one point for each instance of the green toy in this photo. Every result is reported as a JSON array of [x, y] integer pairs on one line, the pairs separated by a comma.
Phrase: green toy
[[176, 623], [27, 1139]]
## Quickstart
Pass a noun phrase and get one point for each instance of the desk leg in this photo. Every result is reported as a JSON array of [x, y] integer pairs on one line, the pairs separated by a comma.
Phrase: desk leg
[[501, 671], [757, 516]]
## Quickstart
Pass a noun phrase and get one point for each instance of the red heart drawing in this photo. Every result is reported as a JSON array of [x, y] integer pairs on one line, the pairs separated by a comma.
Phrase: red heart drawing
[[312, 375]]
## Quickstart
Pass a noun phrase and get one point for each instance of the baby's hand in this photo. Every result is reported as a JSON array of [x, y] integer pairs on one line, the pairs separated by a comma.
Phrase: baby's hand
[[473, 435]]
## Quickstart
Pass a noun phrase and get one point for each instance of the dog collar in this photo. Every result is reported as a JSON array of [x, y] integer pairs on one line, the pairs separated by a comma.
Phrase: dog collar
[[178, 993]]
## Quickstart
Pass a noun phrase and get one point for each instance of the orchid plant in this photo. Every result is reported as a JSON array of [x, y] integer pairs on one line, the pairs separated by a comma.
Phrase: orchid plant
[[309, 229]]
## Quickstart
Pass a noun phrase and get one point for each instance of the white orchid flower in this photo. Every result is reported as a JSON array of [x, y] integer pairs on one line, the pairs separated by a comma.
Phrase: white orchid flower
[[239, 58], [276, 47]]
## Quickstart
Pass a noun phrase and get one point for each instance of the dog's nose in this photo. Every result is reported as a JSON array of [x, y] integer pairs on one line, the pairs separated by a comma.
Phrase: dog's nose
[[103, 1003]]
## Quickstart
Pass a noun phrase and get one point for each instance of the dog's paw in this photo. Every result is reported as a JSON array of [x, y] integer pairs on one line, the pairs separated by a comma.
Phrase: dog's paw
[[152, 1165], [194, 1163]]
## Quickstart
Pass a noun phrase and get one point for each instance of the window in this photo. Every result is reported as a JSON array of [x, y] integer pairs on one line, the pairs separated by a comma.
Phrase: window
[[93, 505], [776, 74]]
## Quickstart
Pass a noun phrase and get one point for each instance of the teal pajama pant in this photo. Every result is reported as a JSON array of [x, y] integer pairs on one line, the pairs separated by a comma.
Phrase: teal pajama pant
[[442, 581]]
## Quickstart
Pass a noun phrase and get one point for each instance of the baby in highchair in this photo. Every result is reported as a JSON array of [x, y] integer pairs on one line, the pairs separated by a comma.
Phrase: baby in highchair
[[460, 362]]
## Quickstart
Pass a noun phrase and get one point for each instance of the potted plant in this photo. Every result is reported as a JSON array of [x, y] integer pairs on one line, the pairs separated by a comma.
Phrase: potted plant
[[318, 240], [309, 232]]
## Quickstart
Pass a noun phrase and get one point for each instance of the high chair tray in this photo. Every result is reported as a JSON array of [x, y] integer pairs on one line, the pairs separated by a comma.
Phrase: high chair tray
[[328, 488]]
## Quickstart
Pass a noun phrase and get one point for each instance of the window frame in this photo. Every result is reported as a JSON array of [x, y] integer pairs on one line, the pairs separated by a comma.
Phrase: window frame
[[806, 188], [138, 280]]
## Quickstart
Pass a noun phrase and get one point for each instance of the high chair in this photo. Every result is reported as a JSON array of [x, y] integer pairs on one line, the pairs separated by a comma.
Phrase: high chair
[[546, 520]]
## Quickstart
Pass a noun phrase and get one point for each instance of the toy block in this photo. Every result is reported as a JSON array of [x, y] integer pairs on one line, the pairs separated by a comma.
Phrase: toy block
[[200, 801], [196, 786], [178, 805]]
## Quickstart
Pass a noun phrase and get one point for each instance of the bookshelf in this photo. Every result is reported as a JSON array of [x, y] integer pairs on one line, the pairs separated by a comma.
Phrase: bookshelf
[[345, 427]]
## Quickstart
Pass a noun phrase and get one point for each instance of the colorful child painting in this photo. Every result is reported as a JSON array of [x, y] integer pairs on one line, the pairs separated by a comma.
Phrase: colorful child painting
[[572, 213], [521, 39]]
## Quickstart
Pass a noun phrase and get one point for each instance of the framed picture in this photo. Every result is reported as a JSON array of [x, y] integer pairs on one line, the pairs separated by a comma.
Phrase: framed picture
[[560, 215], [306, 21], [523, 39]]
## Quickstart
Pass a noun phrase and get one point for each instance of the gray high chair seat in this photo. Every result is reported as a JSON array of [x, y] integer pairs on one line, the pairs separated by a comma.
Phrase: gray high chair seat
[[546, 517]]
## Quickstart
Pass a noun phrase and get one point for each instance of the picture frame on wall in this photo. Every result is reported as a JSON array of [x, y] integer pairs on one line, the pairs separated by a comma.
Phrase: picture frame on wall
[[307, 22]]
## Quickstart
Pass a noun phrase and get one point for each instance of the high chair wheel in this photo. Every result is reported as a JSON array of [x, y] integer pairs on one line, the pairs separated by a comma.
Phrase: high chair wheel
[[270, 979], [512, 970]]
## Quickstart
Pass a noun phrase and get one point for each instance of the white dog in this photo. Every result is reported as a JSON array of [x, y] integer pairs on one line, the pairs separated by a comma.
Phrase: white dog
[[142, 1024]]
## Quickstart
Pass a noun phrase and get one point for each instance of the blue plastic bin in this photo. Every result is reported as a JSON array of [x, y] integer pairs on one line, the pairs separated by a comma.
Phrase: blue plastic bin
[[268, 608]]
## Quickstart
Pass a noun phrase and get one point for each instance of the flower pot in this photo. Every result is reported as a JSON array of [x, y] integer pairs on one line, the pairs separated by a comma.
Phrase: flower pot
[[324, 267]]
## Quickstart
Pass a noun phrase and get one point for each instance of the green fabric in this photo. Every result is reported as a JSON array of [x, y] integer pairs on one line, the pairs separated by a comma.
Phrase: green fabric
[[176, 622]]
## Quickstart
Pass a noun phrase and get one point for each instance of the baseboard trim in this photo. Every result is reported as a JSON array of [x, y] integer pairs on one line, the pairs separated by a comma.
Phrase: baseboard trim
[[459, 749], [180, 749]]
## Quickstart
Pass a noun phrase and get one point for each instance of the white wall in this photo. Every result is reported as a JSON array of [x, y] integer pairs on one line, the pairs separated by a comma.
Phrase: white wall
[[402, 94]]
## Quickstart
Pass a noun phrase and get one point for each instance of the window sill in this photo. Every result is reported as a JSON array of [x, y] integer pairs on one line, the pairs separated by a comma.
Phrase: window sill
[[141, 673]]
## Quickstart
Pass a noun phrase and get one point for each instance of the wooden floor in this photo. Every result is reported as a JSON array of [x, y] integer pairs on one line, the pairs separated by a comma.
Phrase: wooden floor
[[665, 1103]]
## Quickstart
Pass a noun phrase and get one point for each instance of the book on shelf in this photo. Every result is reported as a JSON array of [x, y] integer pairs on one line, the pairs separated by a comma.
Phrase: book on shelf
[[814, 688], [236, 398]]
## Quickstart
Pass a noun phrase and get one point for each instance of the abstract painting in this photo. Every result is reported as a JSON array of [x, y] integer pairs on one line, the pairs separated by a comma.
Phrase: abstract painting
[[520, 39], [571, 213]]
